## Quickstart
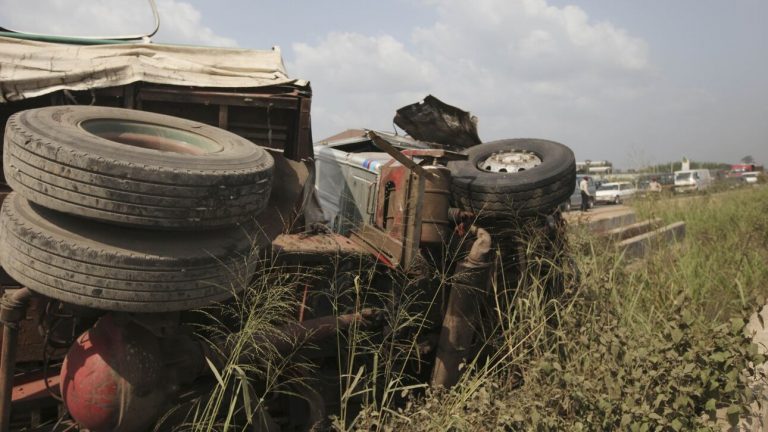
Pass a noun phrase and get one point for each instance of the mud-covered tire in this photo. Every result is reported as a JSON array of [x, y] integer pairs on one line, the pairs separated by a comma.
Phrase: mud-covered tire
[[107, 267], [537, 190], [196, 176]]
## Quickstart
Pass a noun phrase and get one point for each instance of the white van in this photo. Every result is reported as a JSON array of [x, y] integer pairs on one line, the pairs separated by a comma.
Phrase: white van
[[692, 180]]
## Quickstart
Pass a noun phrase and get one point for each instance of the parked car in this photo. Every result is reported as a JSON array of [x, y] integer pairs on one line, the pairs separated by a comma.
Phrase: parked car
[[751, 177], [692, 180], [615, 192], [574, 201]]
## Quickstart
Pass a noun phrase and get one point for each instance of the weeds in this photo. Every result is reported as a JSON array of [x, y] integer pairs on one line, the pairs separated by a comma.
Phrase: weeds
[[244, 360], [658, 348], [570, 340], [722, 264]]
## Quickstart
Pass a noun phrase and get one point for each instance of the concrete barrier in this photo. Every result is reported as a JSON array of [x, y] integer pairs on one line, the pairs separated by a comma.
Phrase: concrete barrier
[[602, 218], [638, 246], [633, 230]]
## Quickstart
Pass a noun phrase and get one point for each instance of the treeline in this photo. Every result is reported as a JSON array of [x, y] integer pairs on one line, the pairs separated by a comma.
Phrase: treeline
[[677, 166]]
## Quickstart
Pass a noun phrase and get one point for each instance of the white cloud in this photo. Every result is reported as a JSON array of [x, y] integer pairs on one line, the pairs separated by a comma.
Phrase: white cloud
[[180, 22], [525, 68], [364, 63], [370, 74]]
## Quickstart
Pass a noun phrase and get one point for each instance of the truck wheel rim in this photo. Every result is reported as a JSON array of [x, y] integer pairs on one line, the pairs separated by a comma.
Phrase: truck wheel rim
[[509, 161], [151, 136]]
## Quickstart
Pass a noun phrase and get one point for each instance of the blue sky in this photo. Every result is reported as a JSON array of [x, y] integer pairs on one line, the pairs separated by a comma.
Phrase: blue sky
[[635, 82]]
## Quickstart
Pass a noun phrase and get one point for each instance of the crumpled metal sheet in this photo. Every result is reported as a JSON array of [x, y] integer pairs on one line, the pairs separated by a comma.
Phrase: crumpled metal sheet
[[433, 120]]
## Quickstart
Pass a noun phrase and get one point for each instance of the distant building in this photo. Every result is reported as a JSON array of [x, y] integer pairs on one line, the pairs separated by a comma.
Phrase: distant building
[[594, 167]]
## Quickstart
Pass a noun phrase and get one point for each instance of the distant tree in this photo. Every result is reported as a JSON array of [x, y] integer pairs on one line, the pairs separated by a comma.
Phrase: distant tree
[[748, 159], [677, 165]]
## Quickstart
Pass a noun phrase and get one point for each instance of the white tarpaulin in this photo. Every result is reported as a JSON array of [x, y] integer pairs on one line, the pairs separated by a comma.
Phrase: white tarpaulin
[[31, 68]]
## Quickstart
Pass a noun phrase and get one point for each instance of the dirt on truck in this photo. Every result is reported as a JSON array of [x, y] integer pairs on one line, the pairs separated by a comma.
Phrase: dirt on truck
[[151, 190]]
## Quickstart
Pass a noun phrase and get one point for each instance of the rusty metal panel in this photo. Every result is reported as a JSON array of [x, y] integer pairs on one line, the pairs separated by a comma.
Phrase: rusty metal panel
[[32, 387], [304, 147], [224, 116], [400, 213], [317, 247], [274, 117], [414, 207], [210, 97], [385, 247], [436, 224], [392, 189]]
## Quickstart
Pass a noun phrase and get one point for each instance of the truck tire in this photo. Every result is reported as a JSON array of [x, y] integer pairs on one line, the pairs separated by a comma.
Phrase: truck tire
[[125, 269], [135, 168], [544, 179]]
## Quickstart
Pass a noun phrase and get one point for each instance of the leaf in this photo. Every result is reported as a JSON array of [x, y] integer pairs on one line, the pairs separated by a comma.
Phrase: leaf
[[349, 391], [688, 318], [732, 413], [736, 325], [615, 350], [711, 405], [676, 424], [676, 334], [625, 419], [683, 401], [215, 372], [718, 356]]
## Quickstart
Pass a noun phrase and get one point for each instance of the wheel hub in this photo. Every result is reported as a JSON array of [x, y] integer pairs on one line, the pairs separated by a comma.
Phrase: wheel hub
[[151, 136], [510, 162]]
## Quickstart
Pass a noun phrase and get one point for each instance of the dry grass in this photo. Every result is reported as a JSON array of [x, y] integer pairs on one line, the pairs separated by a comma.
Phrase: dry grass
[[577, 342]]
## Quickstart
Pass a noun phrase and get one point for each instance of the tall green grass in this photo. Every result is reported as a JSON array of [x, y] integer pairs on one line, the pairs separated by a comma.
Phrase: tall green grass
[[573, 338], [722, 265], [245, 368], [655, 345]]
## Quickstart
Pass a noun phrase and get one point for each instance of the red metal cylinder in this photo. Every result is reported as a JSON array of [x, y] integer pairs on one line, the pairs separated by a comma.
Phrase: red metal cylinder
[[112, 378]]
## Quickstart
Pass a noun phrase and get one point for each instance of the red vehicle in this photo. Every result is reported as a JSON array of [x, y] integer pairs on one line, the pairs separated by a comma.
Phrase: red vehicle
[[738, 169]]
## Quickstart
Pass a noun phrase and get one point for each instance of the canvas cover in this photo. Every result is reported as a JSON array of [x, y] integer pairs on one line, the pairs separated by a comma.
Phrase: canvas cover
[[31, 68]]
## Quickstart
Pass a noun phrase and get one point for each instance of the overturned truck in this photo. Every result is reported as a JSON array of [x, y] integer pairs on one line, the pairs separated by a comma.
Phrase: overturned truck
[[145, 182]]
